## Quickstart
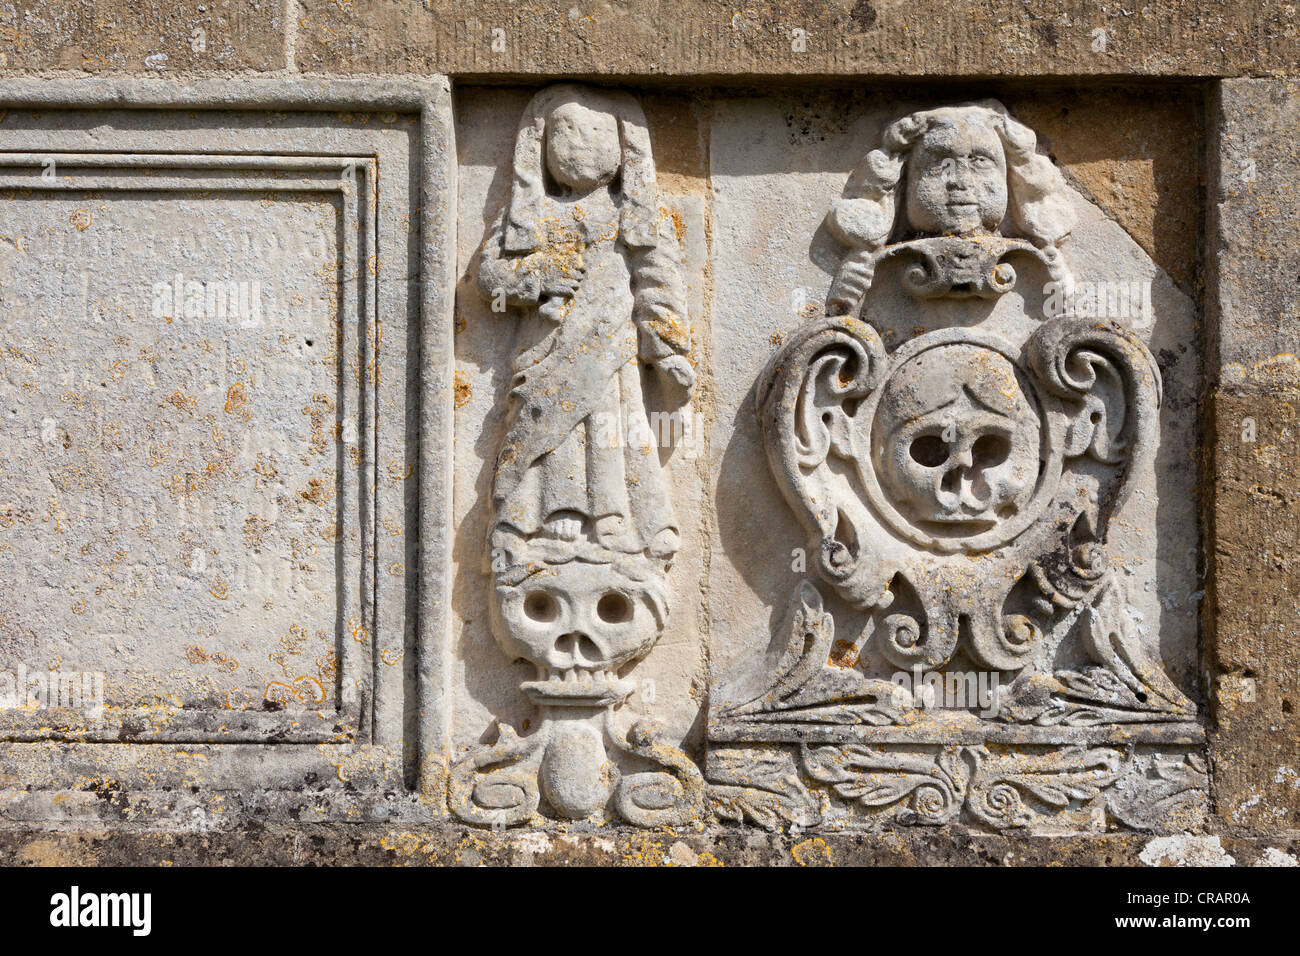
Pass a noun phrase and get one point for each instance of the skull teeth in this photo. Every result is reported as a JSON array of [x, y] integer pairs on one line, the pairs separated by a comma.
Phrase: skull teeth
[[582, 676]]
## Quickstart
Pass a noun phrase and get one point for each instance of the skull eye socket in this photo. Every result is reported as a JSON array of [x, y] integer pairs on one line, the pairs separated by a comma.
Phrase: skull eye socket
[[930, 451], [989, 451], [540, 606], [614, 608]]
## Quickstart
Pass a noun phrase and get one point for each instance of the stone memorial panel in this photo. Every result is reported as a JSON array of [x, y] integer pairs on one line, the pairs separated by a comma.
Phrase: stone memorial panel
[[214, 308]]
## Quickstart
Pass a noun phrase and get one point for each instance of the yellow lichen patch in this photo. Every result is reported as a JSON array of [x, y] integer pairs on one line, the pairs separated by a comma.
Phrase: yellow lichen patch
[[812, 852], [462, 390]]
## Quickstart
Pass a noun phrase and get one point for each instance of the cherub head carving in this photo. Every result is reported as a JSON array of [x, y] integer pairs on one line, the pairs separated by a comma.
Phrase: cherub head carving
[[963, 170]]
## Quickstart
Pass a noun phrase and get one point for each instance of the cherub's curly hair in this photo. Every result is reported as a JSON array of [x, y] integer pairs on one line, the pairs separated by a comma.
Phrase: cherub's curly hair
[[1038, 205]]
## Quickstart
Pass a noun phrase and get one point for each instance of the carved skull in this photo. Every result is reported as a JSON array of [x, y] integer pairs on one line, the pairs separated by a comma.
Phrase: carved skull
[[578, 618], [957, 440]]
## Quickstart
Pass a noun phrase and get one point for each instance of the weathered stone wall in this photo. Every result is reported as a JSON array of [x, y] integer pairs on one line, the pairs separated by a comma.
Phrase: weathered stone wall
[[298, 542]]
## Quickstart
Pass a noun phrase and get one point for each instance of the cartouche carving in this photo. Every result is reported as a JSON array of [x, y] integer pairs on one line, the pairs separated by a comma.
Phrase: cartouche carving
[[582, 529], [956, 454]]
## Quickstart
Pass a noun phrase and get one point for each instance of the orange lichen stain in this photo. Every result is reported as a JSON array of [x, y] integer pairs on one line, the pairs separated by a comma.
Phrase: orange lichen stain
[[81, 219], [812, 852], [357, 630], [679, 224], [321, 405], [461, 390], [255, 528], [296, 638], [327, 668], [379, 761], [179, 399], [317, 492], [236, 397], [843, 654], [641, 850], [244, 703], [278, 693]]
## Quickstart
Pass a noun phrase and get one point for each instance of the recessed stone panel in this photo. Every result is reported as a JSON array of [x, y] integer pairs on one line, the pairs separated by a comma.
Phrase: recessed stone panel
[[209, 496]]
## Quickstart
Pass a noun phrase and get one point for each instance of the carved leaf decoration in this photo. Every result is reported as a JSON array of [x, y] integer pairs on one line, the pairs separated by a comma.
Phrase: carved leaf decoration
[[1095, 429], [823, 422], [761, 786], [1059, 791], [811, 633], [934, 787], [1170, 795], [954, 768], [993, 786], [1125, 687], [823, 364], [878, 794], [1054, 779], [872, 777], [804, 398], [766, 769], [807, 689], [1111, 637], [833, 711], [765, 808], [1030, 698]]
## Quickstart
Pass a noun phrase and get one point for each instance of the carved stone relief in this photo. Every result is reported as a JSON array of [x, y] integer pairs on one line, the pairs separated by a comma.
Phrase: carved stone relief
[[957, 455], [955, 444], [582, 529], [921, 574]]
